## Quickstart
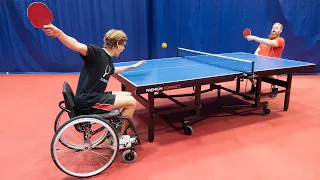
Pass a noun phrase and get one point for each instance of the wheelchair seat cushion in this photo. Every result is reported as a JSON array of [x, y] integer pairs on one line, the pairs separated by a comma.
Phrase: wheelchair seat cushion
[[110, 114]]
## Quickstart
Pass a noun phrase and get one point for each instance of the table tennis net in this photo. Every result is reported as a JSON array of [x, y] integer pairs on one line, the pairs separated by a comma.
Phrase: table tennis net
[[218, 60]]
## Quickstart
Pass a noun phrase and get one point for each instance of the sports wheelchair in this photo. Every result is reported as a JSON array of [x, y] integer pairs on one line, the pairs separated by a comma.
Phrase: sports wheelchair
[[95, 138]]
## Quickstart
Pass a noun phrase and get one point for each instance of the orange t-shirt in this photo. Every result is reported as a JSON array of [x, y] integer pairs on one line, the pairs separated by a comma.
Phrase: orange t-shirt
[[273, 51]]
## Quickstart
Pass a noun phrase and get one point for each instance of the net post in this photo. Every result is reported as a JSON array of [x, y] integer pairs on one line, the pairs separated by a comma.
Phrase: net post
[[177, 52], [252, 71], [252, 68]]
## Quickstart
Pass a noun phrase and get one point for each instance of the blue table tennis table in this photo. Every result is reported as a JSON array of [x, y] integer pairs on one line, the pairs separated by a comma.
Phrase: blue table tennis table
[[194, 68]]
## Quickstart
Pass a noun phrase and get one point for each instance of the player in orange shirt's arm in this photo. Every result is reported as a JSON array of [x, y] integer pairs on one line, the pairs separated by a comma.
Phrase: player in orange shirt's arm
[[273, 46]]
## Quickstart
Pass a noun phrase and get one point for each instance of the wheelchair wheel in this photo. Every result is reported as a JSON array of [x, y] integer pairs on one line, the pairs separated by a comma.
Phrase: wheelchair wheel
[[62, 118], [90, 157]]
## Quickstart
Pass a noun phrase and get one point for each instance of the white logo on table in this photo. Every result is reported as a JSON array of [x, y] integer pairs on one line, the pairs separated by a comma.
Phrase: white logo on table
[[169, 87], [154, 89]]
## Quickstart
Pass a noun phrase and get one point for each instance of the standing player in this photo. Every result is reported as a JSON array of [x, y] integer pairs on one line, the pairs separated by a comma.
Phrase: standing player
[[272, 47], [97, 68]]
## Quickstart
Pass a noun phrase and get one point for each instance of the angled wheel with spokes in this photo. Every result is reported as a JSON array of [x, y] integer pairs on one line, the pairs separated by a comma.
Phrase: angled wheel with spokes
[[92, 154]]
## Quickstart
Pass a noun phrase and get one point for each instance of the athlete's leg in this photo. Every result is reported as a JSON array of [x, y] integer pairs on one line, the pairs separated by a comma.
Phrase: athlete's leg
[[124, 93], [274, 77], [128, 104], [274, 88], [253, 85], [111, 101]]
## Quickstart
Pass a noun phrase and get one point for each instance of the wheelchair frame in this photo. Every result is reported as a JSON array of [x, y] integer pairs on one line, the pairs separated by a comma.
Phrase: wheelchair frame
[[111, 121]]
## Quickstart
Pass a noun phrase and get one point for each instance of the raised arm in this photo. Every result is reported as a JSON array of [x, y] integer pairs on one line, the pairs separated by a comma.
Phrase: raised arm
[[264, 41], [70, 42], [118, 70], [257, 51]]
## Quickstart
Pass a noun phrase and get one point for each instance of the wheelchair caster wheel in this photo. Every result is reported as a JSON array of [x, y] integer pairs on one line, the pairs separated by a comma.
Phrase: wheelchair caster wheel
[[266, 111], [188, 130], [129, 156]]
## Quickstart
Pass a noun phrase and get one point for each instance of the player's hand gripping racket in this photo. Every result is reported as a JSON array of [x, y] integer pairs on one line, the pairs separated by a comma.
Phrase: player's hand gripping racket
[[39, 14], [246, 32]]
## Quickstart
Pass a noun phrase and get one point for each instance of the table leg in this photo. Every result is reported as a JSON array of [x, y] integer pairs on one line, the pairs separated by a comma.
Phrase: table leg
[[258, 92], [287, 95], [197, 101], [238, 85], [151, 115]]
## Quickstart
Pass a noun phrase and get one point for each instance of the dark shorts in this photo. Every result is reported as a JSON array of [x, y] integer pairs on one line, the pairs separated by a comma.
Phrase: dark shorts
[[102, 104]]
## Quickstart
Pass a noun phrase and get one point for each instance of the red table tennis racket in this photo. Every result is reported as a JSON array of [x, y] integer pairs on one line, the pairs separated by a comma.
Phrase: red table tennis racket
[[39, 14], [246, 32]]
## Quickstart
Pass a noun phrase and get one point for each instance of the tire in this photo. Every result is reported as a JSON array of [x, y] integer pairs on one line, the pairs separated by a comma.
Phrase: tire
[[85, 148]]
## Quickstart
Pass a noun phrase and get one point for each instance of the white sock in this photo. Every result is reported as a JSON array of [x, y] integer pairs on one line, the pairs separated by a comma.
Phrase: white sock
[[124, 137]]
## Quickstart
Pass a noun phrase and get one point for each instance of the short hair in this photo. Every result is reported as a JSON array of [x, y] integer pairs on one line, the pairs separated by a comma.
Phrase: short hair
[[281, 27], [114, 36]]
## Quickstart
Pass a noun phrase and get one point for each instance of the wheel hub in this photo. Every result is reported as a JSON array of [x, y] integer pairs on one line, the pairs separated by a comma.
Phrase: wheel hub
[[87, 146]]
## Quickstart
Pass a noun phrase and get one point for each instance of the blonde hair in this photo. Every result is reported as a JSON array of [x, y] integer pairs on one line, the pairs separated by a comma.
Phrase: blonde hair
[[114, 36], [277, 23]]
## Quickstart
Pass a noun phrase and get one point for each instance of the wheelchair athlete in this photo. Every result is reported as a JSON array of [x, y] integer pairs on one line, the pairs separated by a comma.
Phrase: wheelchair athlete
[[90, 97]]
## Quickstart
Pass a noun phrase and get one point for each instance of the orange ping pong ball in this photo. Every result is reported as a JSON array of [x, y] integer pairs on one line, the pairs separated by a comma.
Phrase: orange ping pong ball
[[164, 45]]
